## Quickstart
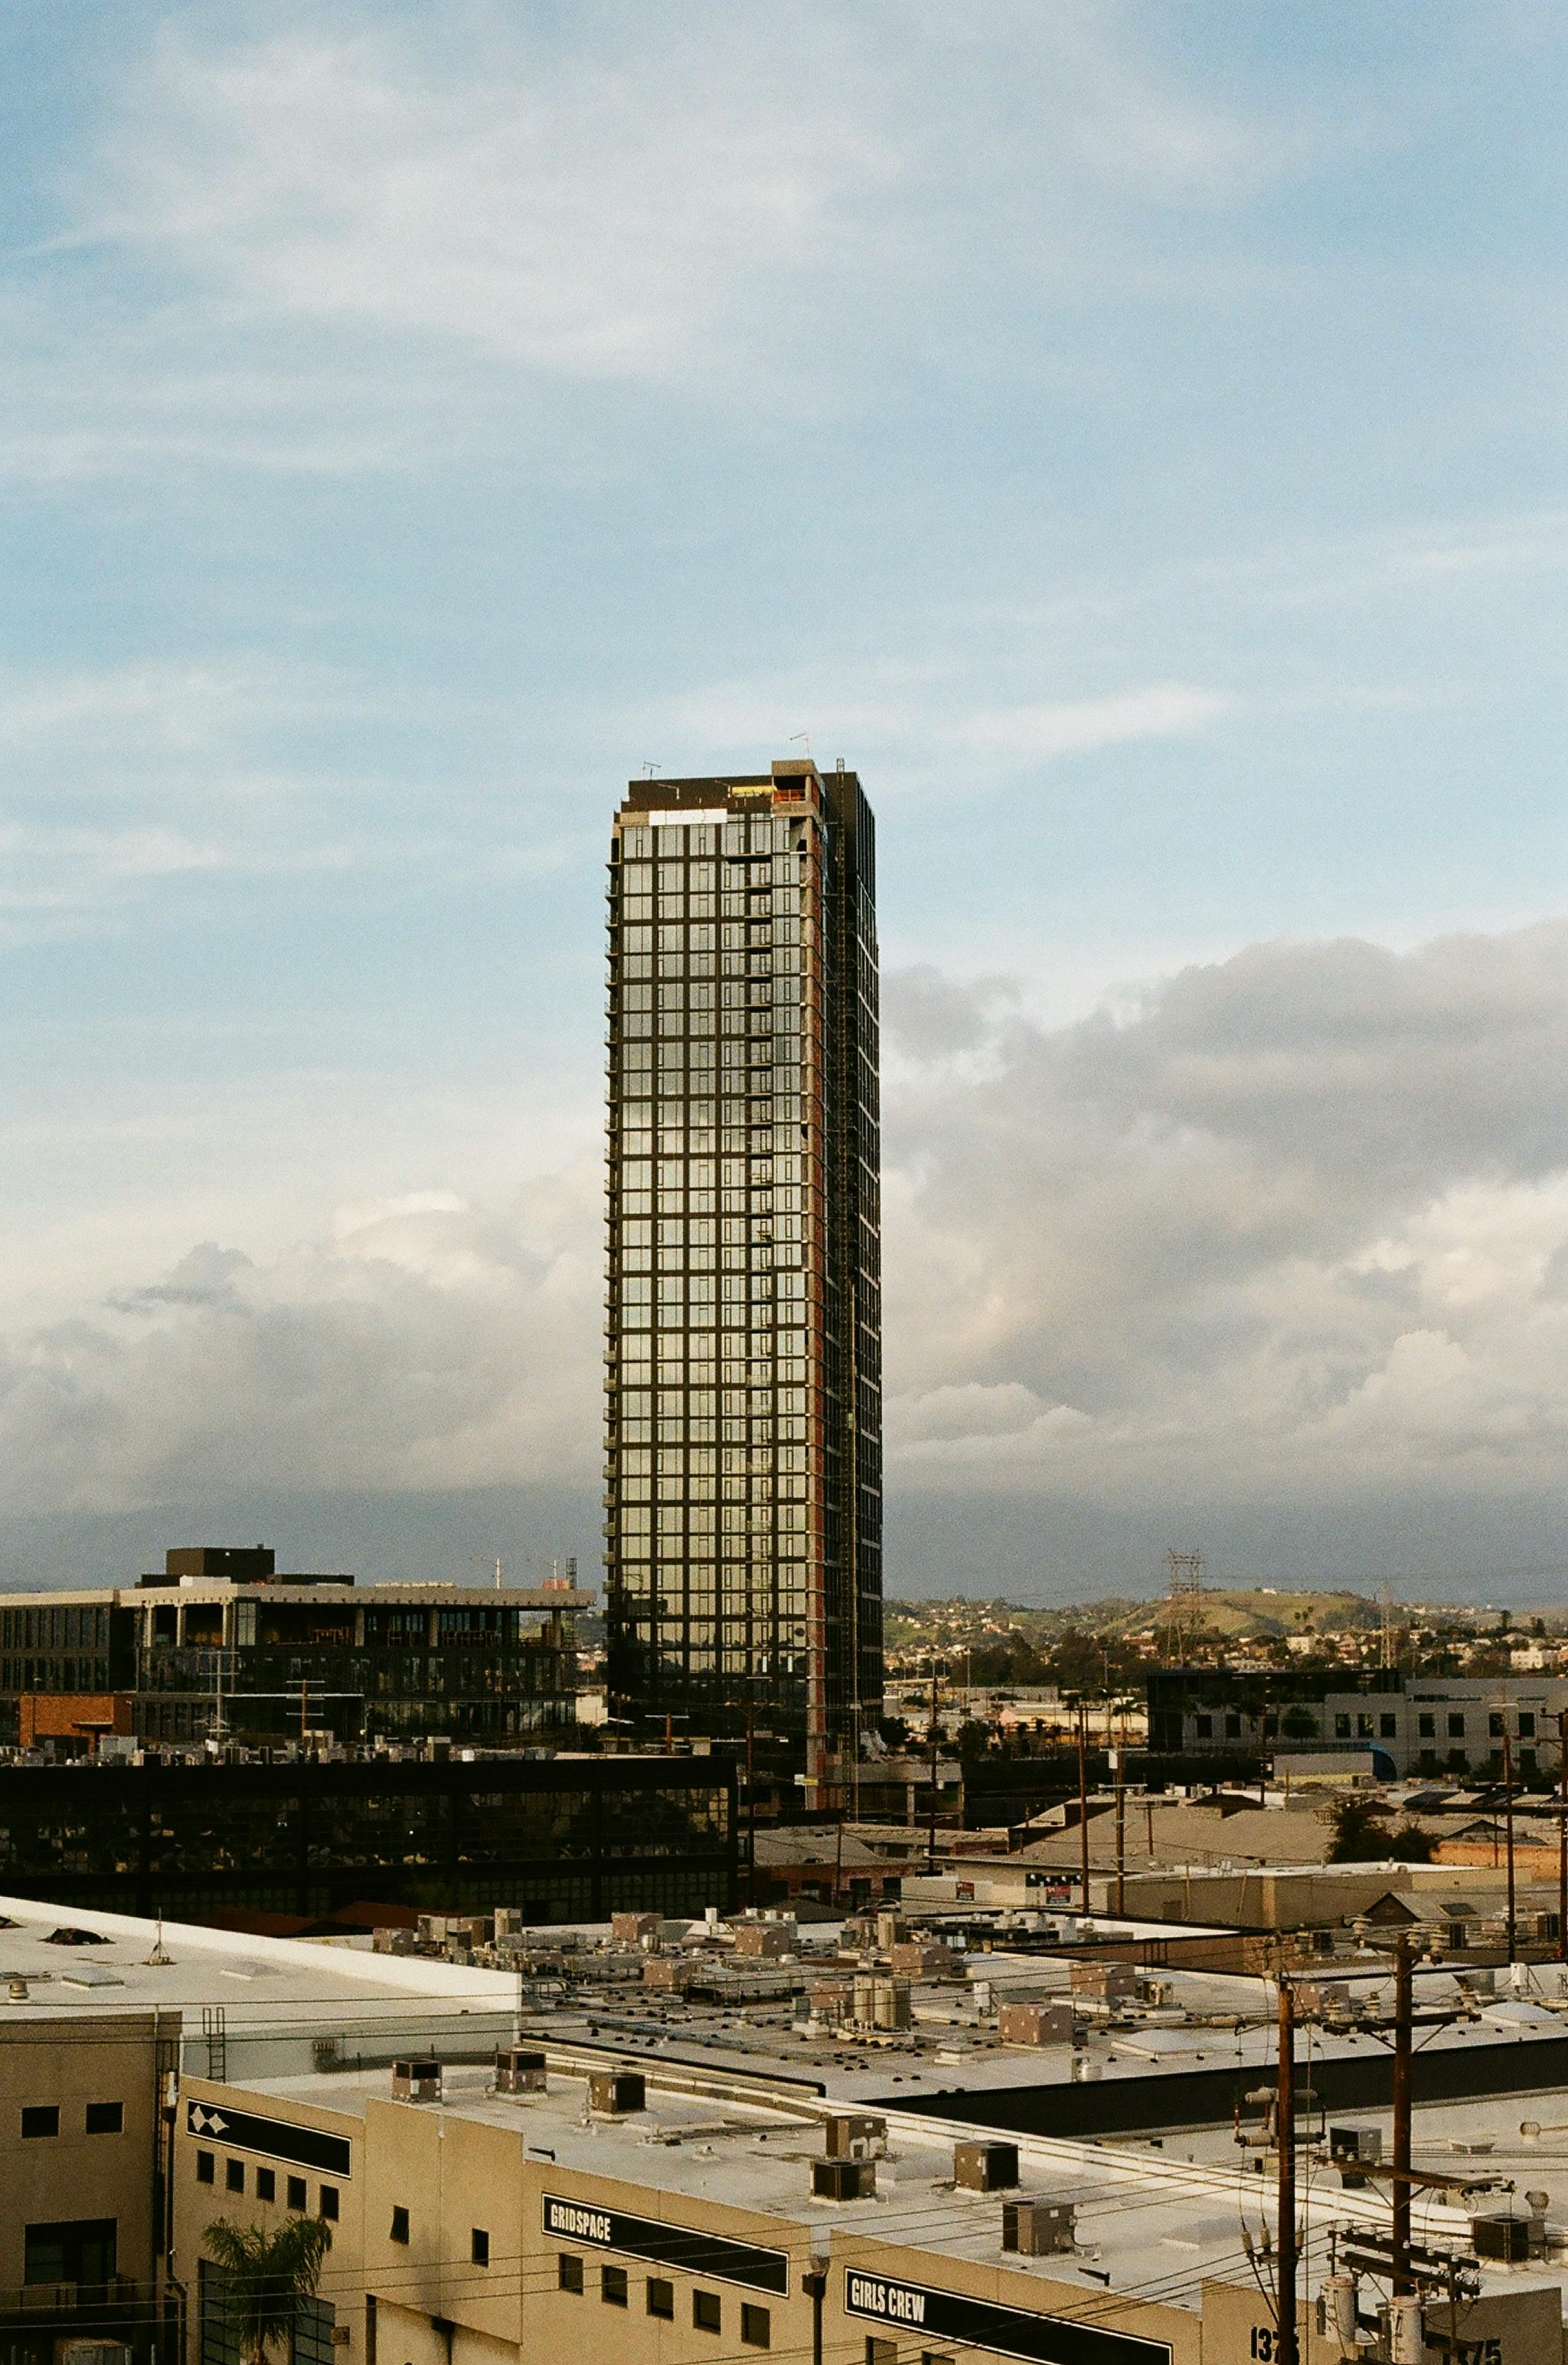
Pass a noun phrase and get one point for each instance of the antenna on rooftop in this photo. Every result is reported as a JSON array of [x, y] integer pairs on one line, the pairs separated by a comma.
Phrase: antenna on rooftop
[[802, 739], [649, 769]]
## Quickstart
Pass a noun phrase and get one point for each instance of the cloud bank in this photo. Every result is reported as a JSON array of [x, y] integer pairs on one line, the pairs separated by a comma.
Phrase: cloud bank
[[1287, 1229]]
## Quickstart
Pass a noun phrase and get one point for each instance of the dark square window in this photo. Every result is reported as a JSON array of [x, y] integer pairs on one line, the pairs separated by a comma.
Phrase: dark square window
[[399, 2226], [706, 2312], [1527, 1724], [568, 2271], [612, 2286], [661, 2298], [234, 2175], [1233, 1728], [297, 2196], [266, 2184], [40, 2119], [106, 2118], [757, 2325], [1456, 1728], [880, 2352], [1494, 1725], [479, 2247], [1203, 1728], [1341, 1727], [204, 2167], [1426, 1726], [327, 2196], [1388, 1726]]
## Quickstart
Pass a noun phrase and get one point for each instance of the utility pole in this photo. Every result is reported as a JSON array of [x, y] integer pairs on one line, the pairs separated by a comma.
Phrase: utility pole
[[751, 1802], [931, 1835], [1563, 1836], [1083, 1798], [1399, 2221], [1285, 2344], [1508, 1827], [1122, 1823]]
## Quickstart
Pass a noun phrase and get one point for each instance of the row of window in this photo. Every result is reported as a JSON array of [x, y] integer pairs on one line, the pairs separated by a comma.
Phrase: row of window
[[54, 1629], [1361, 1725], [263, 2183], [40, 2120], [658, 2299], [751, 834]]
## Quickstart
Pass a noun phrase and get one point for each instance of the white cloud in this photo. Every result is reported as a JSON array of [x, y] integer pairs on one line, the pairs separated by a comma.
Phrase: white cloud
[[1293, 1229], [428, 1345]]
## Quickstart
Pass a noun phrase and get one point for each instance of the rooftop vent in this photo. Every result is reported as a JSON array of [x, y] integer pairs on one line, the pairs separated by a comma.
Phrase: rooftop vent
[[844, 2180], [417, 2080]]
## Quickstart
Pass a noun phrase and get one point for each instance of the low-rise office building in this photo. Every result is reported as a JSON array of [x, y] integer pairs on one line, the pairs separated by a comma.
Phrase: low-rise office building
[[560, 1838], [1410, 1724], [220, 1643], [641, 2213]]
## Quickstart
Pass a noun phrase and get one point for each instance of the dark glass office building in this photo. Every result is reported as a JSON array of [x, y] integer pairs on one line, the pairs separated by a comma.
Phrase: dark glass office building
[[563, 1839], [744, 1431]]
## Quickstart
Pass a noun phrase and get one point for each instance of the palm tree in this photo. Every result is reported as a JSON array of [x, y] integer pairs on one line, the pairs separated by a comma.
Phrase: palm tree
[[266, 2277]]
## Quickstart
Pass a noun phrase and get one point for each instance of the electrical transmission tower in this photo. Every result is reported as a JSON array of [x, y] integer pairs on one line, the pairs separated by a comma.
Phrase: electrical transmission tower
[[1183, 1600]]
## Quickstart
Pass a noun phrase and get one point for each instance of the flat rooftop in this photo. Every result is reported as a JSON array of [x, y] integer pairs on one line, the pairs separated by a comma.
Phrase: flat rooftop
[[1147, 2220]]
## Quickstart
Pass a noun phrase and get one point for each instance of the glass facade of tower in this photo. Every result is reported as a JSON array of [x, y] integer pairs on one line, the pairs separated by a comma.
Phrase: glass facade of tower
[[743, 1479]]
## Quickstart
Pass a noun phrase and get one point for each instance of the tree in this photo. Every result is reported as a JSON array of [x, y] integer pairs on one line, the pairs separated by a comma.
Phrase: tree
[[1360, 1831], [267, 2278]]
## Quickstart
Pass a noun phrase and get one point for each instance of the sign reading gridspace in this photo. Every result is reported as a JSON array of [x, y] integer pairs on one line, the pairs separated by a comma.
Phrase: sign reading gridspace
[[685, 2247], [980, 2324]]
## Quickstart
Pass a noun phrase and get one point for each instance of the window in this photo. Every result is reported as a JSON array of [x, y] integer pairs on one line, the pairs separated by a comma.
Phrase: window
[[40, 2119], [1203, 1728], [1456, 1728], [1527, 1724], [1426, 1726], [1233, 1728], [69, 2251], [327, 2200], [204, 2165], [661, 2298], [757, 2325], [1341, 1727], [880, 2352], [106, 2118], [234, 2175], [612, 2286], [568, 2271], [266, 2184], [1388, 1726], [706, 2312], [1494, 1725], [297, 2197], [399, 2226], [478, 2246]]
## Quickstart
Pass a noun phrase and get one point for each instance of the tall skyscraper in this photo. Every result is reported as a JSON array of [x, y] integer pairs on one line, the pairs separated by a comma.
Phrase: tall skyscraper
[[744, 1398]]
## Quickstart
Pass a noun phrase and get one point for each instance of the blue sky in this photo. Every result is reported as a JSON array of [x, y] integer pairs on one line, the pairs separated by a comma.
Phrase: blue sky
[[1131, 435]]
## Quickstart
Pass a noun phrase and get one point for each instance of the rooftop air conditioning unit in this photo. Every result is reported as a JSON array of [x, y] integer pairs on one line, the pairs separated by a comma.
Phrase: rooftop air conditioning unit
[[417, 2080], [519, 2071], [616, 2092], [844, 2180], [1038, 2229], [985, 2167]]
